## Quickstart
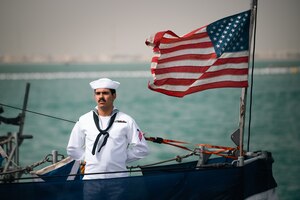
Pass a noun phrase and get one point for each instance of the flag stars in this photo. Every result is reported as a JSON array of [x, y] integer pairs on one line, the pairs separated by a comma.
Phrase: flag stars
[[230, 34]]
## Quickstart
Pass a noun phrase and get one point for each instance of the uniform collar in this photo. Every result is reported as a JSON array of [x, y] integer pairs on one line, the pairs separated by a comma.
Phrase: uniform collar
[[115, 110]]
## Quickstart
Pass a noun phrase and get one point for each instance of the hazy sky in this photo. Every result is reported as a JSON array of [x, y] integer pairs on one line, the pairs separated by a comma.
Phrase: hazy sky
[[92, 27]]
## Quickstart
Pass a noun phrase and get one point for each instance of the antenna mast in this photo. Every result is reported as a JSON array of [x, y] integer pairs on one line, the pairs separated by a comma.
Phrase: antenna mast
[[244, 90]]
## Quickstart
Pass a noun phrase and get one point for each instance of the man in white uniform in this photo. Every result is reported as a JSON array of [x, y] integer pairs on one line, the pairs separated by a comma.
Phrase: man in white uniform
[[106, 138]]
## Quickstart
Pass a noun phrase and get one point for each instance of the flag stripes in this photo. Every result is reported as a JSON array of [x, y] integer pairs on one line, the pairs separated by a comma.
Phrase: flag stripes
[[187, 64]]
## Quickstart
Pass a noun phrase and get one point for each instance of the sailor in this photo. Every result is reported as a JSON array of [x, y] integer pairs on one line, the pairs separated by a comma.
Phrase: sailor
[[105, 138]]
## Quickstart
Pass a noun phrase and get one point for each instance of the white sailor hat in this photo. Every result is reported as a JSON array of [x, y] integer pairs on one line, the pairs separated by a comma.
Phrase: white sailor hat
[[104, 83]]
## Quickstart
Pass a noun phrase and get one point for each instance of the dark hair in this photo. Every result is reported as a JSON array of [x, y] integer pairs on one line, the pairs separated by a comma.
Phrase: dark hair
[[113, 91]]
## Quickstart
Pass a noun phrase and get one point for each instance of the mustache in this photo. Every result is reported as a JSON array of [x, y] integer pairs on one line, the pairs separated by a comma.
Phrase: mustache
[[101, 99]]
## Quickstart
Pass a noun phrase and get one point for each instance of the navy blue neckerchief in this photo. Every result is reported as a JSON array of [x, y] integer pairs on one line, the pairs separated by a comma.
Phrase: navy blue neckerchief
[[102, 132]]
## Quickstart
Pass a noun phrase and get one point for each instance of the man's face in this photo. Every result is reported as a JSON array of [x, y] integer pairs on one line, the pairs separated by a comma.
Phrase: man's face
[[104, 98]]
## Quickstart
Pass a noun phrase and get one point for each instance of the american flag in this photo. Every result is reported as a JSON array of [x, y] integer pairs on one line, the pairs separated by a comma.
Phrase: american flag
[[213, 56]]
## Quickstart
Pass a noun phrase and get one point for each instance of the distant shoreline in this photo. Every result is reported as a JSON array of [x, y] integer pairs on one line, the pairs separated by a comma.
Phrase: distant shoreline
[[99, 59]]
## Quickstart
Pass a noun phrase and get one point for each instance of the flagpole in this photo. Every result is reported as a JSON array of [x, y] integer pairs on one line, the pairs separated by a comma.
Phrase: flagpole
[[244, 90]]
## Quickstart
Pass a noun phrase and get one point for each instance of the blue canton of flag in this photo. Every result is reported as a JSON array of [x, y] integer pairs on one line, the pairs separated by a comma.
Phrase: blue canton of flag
[[230, 34]]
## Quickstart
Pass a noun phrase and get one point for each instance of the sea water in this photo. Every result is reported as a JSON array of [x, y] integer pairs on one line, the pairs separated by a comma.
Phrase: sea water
[[60, 94]]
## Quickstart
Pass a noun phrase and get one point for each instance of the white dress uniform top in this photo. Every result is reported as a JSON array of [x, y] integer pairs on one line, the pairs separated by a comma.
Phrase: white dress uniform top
[[125, 144]]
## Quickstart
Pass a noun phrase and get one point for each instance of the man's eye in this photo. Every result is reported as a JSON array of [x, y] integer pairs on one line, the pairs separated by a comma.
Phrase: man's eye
[[104, 93]]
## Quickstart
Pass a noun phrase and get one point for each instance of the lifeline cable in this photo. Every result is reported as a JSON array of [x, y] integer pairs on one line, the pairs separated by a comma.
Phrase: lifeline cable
[[165, 141], [160, 140], [37, 113]]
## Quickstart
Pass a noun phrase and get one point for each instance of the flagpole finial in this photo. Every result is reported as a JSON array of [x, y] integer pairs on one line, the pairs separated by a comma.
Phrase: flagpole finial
[[254, 3]]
